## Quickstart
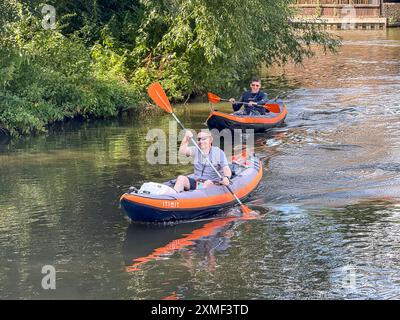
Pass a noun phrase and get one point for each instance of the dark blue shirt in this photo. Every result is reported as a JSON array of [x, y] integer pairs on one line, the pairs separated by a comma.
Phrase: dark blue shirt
[[260, 97]]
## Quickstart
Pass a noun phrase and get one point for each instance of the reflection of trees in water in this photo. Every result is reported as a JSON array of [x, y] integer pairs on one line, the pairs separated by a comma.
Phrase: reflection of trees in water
[[364, 213], [4, 141], [59, 164], [59, 196]]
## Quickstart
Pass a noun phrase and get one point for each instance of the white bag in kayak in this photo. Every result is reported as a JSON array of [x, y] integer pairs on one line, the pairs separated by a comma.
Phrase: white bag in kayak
[[155, 189]]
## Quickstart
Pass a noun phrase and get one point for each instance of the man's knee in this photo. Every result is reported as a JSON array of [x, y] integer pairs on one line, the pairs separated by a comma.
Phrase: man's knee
[[182, 179], [181, 183]]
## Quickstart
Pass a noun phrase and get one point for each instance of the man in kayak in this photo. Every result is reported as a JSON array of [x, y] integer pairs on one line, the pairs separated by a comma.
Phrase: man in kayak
[[255, 99], [204, 174]]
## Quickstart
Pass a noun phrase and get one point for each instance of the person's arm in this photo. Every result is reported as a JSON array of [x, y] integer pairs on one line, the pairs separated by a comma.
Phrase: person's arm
[[236, 105], [184, 149], [227, 175]]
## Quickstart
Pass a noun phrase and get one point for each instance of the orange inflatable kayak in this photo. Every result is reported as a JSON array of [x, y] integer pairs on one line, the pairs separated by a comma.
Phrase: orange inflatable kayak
[[194, 204], [220, 120]]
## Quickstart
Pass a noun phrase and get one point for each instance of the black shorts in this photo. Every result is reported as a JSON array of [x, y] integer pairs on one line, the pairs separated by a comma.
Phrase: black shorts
[[192, 183]]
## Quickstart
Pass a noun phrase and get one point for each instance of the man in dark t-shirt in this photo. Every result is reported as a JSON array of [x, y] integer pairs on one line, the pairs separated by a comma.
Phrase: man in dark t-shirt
[[255, 99]]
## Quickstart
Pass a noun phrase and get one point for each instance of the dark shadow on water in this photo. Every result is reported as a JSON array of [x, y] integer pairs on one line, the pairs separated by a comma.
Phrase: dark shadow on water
[[4, 141], [365, 212]]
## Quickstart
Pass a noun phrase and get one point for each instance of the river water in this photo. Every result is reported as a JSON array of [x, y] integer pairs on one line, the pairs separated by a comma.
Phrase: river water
[[329, 198]]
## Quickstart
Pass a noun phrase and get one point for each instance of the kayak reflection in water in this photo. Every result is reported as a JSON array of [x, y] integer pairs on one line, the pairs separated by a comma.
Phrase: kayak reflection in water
[[210, 232], [204, 174], [254, 99]]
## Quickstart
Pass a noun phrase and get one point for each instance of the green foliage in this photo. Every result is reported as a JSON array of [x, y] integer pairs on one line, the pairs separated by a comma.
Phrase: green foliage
[[47, 77], [103, 54], [216, 44]]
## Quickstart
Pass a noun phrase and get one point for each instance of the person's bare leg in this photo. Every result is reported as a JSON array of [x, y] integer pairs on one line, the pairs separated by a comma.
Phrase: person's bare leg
[[181, 184]]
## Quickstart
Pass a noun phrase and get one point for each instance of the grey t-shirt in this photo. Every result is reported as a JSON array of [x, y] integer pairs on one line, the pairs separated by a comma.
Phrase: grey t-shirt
[[202, 169]]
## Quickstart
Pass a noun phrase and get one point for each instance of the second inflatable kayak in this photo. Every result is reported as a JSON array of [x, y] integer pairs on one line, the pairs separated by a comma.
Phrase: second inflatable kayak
[[220, 120]]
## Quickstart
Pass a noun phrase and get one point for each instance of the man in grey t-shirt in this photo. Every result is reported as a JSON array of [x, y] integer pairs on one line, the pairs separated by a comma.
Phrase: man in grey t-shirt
[[204, 174]]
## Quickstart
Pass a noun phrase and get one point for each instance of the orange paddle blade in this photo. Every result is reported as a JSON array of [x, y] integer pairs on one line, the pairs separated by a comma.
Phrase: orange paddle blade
[[213, 98], [249, 214], [273, 107], [246, 210], [157, 94]]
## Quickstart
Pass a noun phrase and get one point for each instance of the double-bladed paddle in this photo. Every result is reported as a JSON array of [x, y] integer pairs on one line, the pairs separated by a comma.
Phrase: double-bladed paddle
[[273, 107]]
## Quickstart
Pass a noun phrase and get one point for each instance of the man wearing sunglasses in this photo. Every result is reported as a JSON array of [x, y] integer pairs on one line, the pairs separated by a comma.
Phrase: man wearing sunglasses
[[255, 99], [204, 174]]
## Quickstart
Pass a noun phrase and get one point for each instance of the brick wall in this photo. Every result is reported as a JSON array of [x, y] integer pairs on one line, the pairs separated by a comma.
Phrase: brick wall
[[392, 12]]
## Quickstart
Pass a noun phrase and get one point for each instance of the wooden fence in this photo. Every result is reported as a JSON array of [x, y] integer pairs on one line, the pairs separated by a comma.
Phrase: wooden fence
[[339, 8]]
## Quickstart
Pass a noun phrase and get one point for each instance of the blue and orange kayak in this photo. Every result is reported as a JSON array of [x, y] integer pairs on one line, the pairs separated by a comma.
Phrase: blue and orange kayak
[[220, 120], [194, 204]]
